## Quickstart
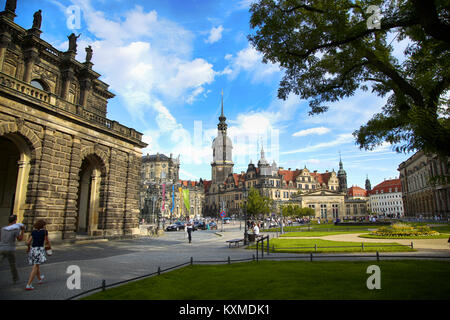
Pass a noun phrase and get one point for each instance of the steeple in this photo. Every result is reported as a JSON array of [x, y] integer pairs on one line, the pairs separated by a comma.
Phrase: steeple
[[368, 185], [342, 176], [222, 126]]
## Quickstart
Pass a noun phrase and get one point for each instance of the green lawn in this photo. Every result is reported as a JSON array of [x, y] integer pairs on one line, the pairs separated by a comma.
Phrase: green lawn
[[291, 280], [318, 233], [279, 244]]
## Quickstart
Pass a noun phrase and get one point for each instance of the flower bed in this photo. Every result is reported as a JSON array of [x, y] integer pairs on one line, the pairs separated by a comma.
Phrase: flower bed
[[404, 230]]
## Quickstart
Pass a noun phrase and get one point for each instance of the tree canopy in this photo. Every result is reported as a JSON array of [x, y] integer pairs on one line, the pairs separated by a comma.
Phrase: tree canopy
[[329, 49], [294, 210], [257, 204]]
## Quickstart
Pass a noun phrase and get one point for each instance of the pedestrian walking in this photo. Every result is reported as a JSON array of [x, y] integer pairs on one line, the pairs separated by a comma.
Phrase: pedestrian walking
[[36, 252], [8, 236], [189, 227]]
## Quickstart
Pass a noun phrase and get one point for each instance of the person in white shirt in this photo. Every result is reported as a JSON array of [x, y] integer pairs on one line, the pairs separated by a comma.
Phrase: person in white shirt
[[256, 229]]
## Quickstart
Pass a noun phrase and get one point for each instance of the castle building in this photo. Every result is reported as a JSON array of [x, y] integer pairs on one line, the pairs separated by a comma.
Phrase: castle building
[[227, 190], [63, 160]]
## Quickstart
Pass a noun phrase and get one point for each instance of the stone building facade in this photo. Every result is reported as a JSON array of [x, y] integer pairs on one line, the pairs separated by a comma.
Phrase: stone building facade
[[62, 160], [424, 180], [159, 173]]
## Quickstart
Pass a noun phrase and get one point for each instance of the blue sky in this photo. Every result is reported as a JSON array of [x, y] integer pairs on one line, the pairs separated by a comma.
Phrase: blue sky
[[168, 61]]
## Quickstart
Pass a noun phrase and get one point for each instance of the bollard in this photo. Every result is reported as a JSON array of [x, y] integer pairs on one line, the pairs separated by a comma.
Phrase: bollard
[[192, 261], [310, 256], [412, 245], [378, 256], [103, 285], [159, 271], [315, 247], [229, 260]]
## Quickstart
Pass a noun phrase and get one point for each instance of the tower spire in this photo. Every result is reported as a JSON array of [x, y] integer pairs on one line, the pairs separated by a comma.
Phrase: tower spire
[[222, 126]]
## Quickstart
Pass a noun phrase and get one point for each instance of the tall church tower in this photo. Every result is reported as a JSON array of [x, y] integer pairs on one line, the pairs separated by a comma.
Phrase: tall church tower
[[222, 164], [342, 177], [368, 185]]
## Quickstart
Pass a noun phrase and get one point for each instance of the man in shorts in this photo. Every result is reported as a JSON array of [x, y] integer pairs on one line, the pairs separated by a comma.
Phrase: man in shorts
[[8, 236]]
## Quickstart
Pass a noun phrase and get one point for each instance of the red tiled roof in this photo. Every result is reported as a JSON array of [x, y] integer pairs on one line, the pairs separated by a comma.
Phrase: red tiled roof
[[357, 192], [289, 175], [386, 185]]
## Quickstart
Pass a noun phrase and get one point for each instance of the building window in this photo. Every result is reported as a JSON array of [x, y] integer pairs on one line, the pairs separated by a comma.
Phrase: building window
[[335, 209], [323, 211]]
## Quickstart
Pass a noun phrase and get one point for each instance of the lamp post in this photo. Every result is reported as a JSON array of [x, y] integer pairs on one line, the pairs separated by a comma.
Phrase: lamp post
[[245, 212]]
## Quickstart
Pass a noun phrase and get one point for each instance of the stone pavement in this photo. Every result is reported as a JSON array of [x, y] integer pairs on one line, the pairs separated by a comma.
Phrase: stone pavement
[[115, 261]]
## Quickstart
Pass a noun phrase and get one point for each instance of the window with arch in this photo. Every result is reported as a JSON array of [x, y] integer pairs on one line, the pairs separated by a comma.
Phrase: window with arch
[[39, 84]]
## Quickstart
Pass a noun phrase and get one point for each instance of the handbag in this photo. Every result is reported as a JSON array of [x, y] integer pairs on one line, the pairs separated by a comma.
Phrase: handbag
[[48, 249]]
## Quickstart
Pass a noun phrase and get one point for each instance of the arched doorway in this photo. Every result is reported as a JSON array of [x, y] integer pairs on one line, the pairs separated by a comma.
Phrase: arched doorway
[[14, 173], [88, 203]]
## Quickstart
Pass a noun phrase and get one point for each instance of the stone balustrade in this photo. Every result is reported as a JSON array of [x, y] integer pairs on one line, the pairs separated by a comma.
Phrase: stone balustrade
[[58, 103]]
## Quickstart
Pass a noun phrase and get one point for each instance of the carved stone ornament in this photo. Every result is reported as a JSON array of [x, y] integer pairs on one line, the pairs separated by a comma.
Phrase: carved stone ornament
[[20, 123]]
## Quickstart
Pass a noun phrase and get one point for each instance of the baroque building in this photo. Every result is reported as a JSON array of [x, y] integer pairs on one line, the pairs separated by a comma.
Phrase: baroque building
[[63, 160], [162, 190], [425, 184]]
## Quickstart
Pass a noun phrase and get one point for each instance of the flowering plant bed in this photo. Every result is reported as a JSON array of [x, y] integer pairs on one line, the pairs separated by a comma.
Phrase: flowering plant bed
[[400, 230]]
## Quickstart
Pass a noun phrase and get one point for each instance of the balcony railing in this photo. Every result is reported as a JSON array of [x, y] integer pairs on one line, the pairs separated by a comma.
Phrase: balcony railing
[[50, 100]]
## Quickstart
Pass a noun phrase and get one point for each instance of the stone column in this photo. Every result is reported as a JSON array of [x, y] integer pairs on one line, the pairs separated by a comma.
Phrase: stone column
[[21, 188], [86, 86], [5, 40], [67, 76], [70, 212], [31, 56]]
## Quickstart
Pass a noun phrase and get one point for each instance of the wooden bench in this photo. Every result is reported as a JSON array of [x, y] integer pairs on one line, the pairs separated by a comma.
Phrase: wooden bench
[[235, 241]]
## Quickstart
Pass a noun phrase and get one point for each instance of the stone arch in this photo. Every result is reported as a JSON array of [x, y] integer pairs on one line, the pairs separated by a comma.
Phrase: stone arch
[[100, 154], [27, 146], [30, 137], [91, 191]]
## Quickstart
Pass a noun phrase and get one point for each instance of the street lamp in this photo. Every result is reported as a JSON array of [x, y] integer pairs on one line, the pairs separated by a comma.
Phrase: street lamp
[[245, 211]]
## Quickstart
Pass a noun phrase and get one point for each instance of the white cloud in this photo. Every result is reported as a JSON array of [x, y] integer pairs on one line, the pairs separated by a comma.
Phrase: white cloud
[[215, 34], [341, 139], [151, 61], [318, 131], [250, 61]]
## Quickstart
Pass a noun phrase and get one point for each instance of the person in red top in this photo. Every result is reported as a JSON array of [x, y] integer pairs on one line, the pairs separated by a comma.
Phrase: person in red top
[[36, 251]]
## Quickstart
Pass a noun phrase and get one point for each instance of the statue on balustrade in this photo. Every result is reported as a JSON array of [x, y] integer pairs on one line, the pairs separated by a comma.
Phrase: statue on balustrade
[[11, 5], [73, 42], [37, 19], [89, 52]]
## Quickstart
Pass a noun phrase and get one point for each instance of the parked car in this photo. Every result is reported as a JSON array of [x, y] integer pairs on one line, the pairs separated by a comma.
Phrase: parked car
[[175, 226], [226, 220], [212, 225], [196, 225]]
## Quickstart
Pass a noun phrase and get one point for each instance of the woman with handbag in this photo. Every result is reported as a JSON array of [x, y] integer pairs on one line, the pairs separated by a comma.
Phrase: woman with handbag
[[36, 251]]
